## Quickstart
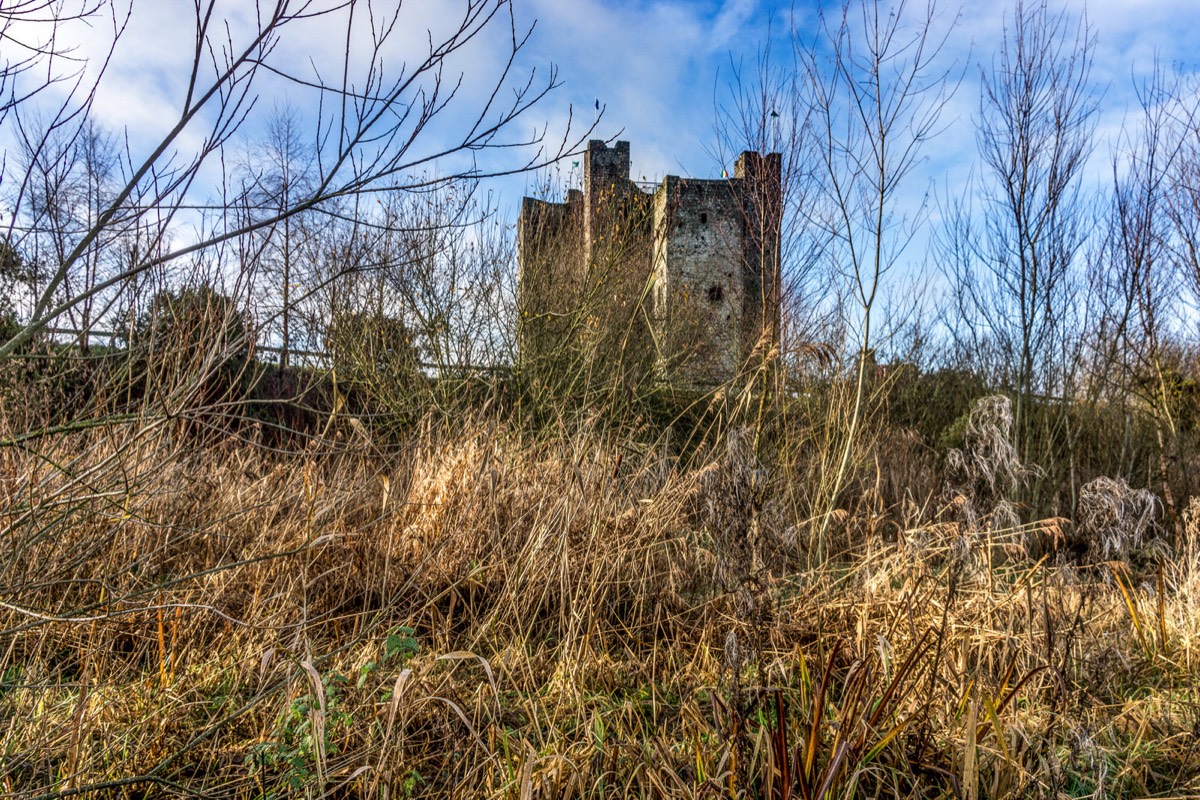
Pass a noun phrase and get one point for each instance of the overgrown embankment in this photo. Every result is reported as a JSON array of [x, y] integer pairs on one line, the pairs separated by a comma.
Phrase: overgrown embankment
[[479, 610]]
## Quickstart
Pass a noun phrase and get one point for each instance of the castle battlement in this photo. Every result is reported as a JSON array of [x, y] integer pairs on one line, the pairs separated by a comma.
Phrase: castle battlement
[[683, 280]]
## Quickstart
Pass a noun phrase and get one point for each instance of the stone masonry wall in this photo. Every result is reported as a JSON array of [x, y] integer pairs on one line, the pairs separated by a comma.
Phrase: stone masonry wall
[[684, 281], [699, 287], [549, 273]]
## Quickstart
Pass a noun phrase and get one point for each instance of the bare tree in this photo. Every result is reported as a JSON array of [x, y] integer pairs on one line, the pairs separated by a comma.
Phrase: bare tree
[[876, 91], [763, 108], [34, 53], [446, 269], [373, 126], [1014, 261], [1168, 287], [279, 171], [422, 284], [69, 181], [1183, 182]]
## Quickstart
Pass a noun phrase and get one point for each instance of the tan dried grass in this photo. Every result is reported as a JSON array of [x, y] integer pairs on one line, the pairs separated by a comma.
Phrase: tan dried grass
[[571, 597]]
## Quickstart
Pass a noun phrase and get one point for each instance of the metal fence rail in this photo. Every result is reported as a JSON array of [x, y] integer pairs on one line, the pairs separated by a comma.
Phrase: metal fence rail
[[314, 359]]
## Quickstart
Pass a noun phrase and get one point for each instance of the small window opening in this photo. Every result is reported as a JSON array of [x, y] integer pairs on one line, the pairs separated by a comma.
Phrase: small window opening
[[703, 218], [716, 294]]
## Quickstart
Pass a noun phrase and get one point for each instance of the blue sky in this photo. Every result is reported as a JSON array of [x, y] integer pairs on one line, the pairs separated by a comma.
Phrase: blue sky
[[658, 67], [655, 66]]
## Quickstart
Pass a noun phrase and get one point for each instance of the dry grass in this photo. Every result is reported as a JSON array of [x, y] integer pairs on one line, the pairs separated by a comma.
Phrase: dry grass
[[482, 612]]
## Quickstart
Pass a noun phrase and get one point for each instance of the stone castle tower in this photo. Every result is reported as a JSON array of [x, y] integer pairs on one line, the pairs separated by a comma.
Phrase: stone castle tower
[[679, 279]]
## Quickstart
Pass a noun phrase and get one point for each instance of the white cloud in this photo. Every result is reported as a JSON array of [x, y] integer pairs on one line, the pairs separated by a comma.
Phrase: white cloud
[[651, 63], [730, 22]]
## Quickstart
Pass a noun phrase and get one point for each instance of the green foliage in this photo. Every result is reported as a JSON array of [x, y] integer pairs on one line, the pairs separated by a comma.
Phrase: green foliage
[[299, 739], [9, 326], [398, 648], [932, 403], [13, 274], [375, 361], [197, 316], [368, 348]]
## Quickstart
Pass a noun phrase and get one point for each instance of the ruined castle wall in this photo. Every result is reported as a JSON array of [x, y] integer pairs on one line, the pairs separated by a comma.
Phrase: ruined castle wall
[[617, 295], [759, 182], [683, 283], [699, 286], [614, 337], [550, 272]]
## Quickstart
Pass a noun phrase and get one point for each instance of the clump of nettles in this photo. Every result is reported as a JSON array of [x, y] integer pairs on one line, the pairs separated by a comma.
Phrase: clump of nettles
[[1116, 521], [982, 476]]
